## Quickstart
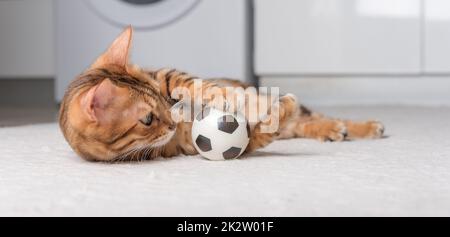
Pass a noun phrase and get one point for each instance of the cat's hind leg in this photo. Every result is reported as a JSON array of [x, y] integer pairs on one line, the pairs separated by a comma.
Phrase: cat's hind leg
[[316, 126]]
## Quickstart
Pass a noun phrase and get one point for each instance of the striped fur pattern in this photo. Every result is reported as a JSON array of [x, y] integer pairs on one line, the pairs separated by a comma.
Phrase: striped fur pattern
[[115, 111]]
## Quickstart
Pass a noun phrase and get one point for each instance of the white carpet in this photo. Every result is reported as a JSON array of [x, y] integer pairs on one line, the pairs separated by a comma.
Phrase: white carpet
[[407, 174]]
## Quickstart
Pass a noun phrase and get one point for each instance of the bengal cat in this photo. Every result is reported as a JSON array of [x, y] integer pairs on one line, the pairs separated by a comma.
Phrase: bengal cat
[[115, 111]]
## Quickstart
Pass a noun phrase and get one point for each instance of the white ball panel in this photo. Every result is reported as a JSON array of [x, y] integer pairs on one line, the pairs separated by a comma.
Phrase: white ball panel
[[220, 141]]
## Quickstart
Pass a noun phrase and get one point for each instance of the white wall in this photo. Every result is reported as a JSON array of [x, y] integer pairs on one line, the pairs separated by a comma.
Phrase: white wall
[[26, 39]]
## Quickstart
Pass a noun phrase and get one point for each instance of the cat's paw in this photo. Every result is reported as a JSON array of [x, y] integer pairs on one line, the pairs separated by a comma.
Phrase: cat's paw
[[288, 107], [332, 131], [293, 98], [365, 130], [223, 105], [375, 130]]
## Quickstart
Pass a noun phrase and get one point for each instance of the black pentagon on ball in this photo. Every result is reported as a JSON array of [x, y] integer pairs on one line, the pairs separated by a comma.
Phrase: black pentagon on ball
[[232, 153], [203, 143], [227, 124], [205, 112]]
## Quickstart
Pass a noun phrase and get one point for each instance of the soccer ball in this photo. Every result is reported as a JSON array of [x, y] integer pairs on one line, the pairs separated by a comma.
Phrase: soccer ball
[[219, 135]]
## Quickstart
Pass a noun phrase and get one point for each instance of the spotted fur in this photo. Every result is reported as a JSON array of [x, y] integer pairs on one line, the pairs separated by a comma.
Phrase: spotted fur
[[115, 111]]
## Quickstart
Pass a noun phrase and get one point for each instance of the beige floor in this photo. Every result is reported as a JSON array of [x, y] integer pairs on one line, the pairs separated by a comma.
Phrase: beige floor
[[406, 174]]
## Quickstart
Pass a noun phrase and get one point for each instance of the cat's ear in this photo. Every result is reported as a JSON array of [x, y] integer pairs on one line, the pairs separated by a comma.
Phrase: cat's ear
[[118, 52], [96, 102]]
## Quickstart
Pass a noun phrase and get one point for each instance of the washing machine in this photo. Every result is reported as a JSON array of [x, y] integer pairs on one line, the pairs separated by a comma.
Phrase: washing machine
[[207, 38]]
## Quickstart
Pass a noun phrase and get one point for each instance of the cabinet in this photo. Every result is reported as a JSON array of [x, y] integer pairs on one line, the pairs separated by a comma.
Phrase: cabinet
[[341, 37], [437, 36]]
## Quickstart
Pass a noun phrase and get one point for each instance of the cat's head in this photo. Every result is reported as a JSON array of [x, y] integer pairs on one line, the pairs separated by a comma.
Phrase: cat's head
[[114, 108]]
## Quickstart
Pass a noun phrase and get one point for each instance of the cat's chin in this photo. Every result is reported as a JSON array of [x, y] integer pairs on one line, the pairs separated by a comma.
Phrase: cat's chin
[[163, 140]]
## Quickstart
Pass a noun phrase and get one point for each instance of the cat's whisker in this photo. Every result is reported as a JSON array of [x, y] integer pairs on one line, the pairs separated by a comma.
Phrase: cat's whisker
[[140, 154], [135, 155], [148, 153], [144, 154], [129, 155]]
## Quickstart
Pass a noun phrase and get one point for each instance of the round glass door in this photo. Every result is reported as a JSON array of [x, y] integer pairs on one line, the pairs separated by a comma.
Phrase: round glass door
[[142, 2], [142, 14]]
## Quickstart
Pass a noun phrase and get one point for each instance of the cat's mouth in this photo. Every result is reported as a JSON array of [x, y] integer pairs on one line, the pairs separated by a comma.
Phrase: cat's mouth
[[163, 140]]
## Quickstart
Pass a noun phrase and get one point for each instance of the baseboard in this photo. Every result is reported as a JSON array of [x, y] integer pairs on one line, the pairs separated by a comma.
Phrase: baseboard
[[369, 90], [27, 92]]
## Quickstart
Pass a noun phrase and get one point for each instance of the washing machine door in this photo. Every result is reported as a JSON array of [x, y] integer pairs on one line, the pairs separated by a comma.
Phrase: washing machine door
[[141, 14]]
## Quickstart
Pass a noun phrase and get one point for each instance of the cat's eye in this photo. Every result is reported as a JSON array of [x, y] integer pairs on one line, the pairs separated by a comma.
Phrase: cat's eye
[[148, 120]]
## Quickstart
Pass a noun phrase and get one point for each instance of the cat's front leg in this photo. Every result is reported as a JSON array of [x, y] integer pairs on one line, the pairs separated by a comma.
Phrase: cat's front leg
[[281, 114], [190, 90]]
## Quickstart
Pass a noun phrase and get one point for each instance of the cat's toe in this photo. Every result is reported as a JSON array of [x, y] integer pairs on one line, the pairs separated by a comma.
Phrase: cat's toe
[[293, 98], [289, 108], [334, 132], [377, 129]]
